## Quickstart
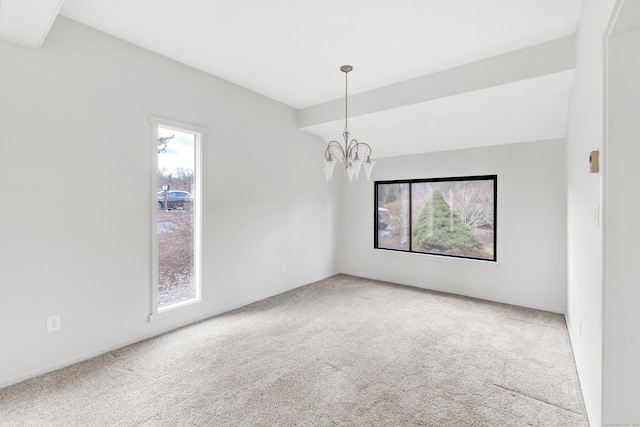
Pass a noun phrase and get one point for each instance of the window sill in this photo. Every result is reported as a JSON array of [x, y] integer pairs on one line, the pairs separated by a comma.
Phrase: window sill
[[479, 262], [175, 310]]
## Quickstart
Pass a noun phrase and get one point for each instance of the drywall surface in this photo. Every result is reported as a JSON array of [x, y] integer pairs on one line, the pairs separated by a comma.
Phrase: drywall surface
[[531, 226], [75, 156], [584, 202], [622, 234]]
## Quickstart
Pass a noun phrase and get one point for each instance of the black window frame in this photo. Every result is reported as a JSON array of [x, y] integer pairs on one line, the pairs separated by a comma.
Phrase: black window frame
[[376, 185]]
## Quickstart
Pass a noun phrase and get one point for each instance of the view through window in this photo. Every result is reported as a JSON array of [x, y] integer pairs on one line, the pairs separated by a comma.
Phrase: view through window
[[178, 217], [444, 216]]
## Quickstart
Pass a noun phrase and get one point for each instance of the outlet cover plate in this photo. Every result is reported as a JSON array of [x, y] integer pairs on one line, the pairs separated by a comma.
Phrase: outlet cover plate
[[53, 323]]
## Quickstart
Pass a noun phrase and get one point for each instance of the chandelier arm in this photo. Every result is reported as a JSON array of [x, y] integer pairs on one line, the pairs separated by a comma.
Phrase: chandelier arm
[[351, 147], [354, 147], [367, 146], [334, 145]]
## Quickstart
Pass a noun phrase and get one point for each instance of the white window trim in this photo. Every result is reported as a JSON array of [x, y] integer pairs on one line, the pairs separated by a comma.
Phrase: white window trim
[[199, 213]]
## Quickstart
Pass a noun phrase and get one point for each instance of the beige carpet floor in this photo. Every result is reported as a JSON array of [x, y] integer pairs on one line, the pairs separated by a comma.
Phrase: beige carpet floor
[[344, 351]]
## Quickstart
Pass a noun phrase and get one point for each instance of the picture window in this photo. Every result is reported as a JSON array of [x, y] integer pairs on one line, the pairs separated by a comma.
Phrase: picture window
[[454, 217]]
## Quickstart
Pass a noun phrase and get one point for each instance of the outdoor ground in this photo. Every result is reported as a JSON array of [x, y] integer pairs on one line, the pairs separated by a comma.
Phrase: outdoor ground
[[175, 258]]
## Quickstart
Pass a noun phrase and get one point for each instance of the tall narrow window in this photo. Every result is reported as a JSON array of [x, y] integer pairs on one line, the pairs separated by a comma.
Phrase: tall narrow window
[[178, 202]]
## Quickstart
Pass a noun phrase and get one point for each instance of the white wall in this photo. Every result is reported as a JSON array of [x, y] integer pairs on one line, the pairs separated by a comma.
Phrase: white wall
[[74, 126], [531, 226], [622, 233], [584, 244]]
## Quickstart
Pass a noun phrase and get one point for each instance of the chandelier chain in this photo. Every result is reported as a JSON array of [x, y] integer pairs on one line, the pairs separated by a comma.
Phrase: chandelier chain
[[346, 103]]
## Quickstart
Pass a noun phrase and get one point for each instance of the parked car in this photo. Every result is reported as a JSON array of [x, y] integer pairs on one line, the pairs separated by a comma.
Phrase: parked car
[[384, 218], [175, 199]]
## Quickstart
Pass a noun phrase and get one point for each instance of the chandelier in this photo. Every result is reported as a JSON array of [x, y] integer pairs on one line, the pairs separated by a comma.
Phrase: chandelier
[[349, 154]]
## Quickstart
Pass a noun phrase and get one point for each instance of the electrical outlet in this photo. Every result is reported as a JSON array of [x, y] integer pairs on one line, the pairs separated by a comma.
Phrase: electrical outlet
[[283, 267], [53, 323]]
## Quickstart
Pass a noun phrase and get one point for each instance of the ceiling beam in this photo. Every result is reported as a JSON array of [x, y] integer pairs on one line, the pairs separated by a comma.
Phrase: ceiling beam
[[27, 22], [543, 59]]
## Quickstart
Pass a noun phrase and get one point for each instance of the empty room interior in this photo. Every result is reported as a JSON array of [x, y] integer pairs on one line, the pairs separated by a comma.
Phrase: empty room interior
[[537, 99]]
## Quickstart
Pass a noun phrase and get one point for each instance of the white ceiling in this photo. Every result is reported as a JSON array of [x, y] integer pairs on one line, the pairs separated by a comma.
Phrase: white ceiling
[[27, 21], [291, 51]]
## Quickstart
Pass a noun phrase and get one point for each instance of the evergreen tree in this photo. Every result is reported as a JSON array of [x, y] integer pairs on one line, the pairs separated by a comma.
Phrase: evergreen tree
[[440, 229]]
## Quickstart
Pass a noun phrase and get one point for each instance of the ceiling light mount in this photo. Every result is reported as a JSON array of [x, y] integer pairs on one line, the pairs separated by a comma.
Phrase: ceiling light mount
[[349, 153]]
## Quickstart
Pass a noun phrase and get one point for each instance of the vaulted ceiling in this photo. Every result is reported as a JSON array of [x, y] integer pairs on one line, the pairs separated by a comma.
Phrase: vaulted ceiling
[[429, 75]]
